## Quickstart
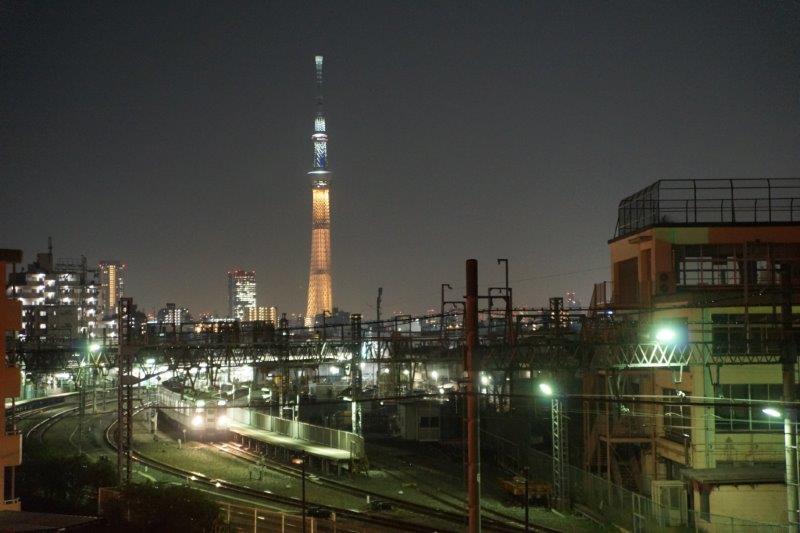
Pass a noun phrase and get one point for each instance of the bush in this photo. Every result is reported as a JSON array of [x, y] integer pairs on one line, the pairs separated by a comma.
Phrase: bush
[[63, 484], [161, 507]]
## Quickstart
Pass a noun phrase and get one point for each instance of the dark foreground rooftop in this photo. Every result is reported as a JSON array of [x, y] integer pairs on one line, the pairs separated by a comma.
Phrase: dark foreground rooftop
[[12, 521]]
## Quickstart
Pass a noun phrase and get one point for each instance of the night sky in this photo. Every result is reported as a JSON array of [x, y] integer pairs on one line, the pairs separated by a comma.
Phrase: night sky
[[175, 135]]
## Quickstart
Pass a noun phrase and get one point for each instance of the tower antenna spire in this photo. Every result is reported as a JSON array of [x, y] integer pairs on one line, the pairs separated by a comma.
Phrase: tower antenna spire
[[320, 292]]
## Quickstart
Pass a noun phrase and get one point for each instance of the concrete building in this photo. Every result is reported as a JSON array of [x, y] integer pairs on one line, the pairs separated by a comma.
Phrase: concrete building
[[700, 270], [173, 315], [10, 387], [241, 293], [59, 300], [263, 314]]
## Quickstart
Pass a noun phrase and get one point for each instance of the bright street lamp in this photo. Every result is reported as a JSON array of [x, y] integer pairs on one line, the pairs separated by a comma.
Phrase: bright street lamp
[[666, 335], [771, 411], [546, 389]]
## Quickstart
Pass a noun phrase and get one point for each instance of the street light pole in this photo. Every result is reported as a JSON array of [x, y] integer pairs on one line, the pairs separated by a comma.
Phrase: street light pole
[[303, 476], [301, 460], [525, 472]]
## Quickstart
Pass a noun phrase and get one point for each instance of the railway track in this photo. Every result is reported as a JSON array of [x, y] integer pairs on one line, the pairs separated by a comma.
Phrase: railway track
[[382, 522], [456, 515]]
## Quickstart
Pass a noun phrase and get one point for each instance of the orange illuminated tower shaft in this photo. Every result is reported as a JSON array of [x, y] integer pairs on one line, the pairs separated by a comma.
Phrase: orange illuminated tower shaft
[[320, 292]]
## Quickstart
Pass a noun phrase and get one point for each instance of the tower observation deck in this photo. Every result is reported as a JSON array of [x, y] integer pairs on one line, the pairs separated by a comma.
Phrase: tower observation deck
[[320, 292]]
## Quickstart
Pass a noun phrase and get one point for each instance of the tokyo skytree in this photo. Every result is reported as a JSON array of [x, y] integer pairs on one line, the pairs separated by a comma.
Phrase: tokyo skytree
[[320, 292]]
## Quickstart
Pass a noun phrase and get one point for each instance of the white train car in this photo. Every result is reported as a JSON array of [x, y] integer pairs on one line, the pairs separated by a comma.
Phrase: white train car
[[198, 419]]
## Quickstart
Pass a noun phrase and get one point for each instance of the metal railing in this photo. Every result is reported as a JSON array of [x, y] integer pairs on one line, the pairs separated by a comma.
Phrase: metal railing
[[612, 504], [710, 201], [329, 437]]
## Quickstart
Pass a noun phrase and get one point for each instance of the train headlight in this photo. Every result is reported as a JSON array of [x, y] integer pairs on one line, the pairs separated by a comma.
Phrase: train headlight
[[223, 422], [197, 421]]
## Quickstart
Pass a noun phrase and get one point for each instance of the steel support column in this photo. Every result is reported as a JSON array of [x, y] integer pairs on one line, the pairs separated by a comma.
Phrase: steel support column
[[472, 387]]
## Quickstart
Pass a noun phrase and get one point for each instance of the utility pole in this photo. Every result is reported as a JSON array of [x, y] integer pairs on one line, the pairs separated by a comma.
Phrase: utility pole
[[378, 328], [442, 325], [355, 373], [125, 381], [510, 330], [788, 360], [473, 415]]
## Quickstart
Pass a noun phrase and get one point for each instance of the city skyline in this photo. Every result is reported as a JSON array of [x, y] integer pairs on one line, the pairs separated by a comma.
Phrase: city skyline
[[441, 118]]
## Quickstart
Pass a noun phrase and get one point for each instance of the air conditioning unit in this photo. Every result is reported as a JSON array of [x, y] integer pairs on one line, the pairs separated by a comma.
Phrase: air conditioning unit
[[665, 283]]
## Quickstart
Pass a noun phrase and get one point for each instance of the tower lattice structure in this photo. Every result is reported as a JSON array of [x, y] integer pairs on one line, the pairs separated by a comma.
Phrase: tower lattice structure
[[320, 292]]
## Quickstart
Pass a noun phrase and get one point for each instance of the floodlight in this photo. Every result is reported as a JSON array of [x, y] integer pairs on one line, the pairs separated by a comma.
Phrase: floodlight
[[666, 335]]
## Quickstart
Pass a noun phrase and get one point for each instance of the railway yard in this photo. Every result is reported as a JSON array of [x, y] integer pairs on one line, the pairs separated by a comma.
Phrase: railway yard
[[398, 493]]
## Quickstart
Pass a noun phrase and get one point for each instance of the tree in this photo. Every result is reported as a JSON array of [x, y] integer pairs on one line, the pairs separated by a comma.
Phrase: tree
[[63, 484], [161, 507]]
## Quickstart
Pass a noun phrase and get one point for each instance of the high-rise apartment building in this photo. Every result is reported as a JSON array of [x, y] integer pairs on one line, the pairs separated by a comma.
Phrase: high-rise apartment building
[[112, 286], [173, 315], [263, 314], [320, 291], [59, 300], [241, 293]]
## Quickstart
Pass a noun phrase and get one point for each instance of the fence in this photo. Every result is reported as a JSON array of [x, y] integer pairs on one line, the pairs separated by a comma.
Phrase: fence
[[628, 510], [235, 517], [332, 438]]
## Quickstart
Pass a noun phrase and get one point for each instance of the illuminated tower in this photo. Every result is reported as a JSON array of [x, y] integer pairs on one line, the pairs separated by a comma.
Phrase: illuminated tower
[[320, 293]]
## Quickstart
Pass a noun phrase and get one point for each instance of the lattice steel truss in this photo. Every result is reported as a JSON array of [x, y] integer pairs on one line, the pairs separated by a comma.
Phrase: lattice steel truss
[[541, 353], [125, 381], [560, 453]]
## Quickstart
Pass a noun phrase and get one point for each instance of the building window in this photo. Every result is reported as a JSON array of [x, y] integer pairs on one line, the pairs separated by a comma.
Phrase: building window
[[715, 271], [734, 418], [729, 333], [677, 418], [705, 505]]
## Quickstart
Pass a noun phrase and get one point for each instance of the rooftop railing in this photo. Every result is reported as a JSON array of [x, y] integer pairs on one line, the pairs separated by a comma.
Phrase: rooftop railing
[[710, 201]]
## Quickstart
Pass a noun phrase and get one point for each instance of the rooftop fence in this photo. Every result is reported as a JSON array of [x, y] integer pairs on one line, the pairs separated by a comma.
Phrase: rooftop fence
[[710, 201]]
